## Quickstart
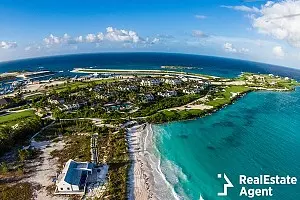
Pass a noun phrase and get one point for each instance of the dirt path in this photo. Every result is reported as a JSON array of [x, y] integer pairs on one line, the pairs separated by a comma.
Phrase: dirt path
[[46, 169]]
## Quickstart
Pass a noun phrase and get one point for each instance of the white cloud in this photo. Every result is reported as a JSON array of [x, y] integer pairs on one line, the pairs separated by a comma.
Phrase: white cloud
[[91, 37], [243, 8], [51, 40], [278, 51], [79, 39], [100, 36], [200, 16], [33, 47], [198, 33], [8, 45], [244, 50], [121, 35], [111, 34], [228, 47], [155, 41], [269, 3], [280, 20]]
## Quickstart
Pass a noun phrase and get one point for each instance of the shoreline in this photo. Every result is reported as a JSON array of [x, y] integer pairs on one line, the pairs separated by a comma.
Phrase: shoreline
[[138, 180], [146, 179]]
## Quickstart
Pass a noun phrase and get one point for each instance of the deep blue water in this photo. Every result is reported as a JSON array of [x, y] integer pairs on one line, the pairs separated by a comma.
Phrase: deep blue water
[[205, 64], [259, 134]]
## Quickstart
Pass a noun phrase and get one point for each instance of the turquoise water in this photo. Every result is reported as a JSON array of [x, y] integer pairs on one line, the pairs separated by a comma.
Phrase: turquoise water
[[259, 134]]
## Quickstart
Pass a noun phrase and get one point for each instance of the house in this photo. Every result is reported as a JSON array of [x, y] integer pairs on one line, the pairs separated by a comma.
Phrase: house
[[192, 91], [5, 101], [73, 178], [167, 94], [147, 98], [173, 81], [183, 78], [128, 88], [151, 82], [56, 100]]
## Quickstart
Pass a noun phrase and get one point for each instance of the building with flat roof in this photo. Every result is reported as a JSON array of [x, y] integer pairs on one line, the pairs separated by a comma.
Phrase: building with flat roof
[[73, 179]]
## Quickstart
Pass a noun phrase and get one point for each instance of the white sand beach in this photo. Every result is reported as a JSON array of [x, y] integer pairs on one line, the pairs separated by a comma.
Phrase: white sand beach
[[146, 179], [139, 182]]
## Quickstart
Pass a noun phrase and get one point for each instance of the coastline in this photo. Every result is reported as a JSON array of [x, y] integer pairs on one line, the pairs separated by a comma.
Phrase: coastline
[[146, 180], [139, 187]]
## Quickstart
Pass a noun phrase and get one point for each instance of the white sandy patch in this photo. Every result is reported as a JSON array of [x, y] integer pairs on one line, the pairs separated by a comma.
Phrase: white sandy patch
[[46, 169]]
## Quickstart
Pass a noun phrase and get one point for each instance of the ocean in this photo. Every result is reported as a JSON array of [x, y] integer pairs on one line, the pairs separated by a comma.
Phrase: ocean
[[258, 134]]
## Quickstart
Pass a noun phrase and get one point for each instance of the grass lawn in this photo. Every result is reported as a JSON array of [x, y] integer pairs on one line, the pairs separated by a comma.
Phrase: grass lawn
[[13, 117], [224, 97], [72, 86]]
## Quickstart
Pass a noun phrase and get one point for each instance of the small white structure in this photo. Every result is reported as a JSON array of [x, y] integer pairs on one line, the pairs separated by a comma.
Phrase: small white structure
[[56, 101], [128, 88], [173, 81], [151, 82], [192, 91], [73, 178], [167, 93]]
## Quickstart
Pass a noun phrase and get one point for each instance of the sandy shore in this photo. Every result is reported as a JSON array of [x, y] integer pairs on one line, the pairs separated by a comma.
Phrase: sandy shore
[[140, 187], [146, 179]]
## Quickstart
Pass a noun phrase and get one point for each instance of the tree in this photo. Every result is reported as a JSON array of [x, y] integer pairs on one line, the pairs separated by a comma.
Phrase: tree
[[23, 154], [4, 168]]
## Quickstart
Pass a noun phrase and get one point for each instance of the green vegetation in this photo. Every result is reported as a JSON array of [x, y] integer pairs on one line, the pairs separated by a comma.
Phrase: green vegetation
[[19, 191], [224, 97], [171, 102], [80, 85], [168, 116], [112, 148], [114, 102], [19, 135], [14, 118], [118, 161], [76, 148], [268, 81]]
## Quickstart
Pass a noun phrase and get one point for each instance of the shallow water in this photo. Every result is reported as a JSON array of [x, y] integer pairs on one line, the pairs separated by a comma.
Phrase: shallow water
[[259, 134]]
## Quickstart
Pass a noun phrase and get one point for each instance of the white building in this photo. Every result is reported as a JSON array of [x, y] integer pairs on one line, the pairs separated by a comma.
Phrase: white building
[[56, 101], [192, 91], [167, 94], [128, 88], [73, 178], [151, 82], [173, 81], [70, 107]]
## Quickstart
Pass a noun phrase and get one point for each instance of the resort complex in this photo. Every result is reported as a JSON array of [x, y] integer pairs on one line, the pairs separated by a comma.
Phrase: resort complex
[[83, 137]]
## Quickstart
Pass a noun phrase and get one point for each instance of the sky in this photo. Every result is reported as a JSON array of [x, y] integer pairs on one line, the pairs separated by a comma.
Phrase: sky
[[256, 30]]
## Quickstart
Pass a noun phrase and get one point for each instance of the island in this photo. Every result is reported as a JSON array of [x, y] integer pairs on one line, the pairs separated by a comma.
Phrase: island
[[95, 125]]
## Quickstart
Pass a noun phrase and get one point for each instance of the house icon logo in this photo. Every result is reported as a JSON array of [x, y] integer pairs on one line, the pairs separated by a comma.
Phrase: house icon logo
[[227, 185]]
